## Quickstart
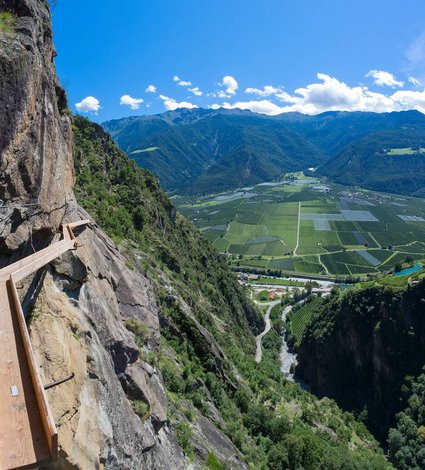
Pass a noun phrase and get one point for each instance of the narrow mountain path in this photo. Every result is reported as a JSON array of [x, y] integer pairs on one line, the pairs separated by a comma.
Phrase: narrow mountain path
[[298, 229], [30, 436], [258, 339]]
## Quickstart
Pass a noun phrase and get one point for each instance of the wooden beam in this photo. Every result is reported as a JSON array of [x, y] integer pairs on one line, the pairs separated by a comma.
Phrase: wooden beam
[[29, 438]]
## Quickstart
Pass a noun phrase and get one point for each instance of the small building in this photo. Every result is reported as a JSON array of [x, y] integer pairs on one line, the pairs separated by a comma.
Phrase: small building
[[272, 295]]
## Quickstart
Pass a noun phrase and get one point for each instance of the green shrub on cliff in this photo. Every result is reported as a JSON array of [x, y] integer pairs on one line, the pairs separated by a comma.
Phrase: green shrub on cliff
[[406, 442], [7, 21]]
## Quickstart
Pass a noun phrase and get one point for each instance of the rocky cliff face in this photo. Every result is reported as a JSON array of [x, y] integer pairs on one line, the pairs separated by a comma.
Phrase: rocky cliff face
[[93, 312], [359, 348], [35, 134], [80, 303]]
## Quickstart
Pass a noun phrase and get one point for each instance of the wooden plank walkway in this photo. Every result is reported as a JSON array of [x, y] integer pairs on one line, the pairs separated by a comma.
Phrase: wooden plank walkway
[[28, 435]]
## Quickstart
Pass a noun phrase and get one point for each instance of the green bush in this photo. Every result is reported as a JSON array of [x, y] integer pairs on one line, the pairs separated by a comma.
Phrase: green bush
[[183, 437], [7, 21], [140, 330], [213, 463], [141, 408]]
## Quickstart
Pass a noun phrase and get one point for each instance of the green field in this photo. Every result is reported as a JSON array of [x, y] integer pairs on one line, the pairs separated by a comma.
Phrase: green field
[[405, 151], [300, 318], [258, 227]]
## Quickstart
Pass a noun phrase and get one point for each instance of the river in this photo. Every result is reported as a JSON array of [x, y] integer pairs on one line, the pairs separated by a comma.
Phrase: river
[[288, 359]]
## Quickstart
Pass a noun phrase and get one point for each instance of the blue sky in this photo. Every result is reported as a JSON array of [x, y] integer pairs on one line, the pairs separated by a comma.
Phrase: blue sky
[[312, 56]]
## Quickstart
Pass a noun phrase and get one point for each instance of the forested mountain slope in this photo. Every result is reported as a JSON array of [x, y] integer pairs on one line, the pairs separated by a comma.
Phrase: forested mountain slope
[[389, 161], [207, 345], [333, 131], [360, 345], [204, 151], [406, 442]]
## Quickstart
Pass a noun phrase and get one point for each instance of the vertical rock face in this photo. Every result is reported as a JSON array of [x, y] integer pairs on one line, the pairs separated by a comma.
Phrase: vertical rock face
[[35, 131], [79, 327], [359, 349], [84, 298]]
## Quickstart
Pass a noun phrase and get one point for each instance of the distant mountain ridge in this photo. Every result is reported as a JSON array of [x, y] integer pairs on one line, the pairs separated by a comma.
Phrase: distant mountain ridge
[[205, 151]]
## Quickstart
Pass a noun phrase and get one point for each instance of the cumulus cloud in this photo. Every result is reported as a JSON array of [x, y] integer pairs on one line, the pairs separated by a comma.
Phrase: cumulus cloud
[[330, 94], [382, 78], [230, 84], [180, 82], [128, 100], [334, 95], [406, 99], [222, 94], [256, 106], [171, 104], [414, 81], [89, 104], [151, 89], [267, 90], [184, 83], [196, 91]]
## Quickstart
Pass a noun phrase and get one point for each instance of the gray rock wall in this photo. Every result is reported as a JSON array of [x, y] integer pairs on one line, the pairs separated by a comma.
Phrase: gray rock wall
[[83, 298]]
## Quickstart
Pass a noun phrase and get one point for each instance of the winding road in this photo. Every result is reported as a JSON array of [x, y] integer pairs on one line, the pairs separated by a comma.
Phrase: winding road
[[258, 339]]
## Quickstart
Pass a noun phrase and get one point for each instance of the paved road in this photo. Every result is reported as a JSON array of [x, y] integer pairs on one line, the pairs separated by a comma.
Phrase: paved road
[[258, 339], [298, 229]]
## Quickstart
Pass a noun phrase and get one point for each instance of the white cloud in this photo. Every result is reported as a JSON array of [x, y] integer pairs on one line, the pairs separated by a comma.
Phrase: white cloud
[[414, 81], [330, 94], [260, 106], [230, 84], [90, 104], [382, 78], [184, 83], [134, 103], [222, 94], [151, 89], [405, 99], [171, 104], [333, 95], [176, 78], [196, 91], [266, 91]]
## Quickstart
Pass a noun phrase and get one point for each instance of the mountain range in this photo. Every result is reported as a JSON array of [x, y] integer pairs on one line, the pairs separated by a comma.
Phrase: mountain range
[[207, 151]]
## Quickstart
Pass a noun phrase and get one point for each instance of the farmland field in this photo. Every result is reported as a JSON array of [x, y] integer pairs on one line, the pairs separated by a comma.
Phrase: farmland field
[[300, 318], [307, 226]]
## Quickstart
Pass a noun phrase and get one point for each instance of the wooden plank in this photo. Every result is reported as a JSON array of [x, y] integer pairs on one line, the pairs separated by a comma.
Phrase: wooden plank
[[28, 435], [32, 263], [79, 223], [22, 438], [43, 405]]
